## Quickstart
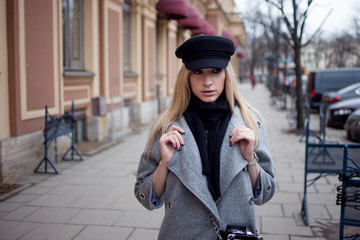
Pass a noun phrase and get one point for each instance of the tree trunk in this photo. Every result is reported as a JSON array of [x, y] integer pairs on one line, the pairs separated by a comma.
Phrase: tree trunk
[[299, 94]]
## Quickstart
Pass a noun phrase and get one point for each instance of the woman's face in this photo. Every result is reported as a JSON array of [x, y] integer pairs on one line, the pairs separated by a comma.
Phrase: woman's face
[[207, 83]]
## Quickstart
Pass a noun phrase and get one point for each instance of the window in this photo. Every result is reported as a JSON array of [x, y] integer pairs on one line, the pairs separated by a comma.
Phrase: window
[[73, 34], [127, 36]]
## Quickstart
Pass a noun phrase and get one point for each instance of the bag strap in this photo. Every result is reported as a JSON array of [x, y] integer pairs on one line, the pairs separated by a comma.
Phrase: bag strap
[[216, 227]]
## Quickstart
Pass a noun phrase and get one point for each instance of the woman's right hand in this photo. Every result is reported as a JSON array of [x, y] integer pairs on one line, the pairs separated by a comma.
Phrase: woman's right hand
[[170, 141]]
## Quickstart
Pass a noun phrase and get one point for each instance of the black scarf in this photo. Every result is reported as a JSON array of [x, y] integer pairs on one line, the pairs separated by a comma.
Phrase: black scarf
[[208, 123]]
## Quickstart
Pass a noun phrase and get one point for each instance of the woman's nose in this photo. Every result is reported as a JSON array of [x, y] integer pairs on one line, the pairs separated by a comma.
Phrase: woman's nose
[[207, 81]]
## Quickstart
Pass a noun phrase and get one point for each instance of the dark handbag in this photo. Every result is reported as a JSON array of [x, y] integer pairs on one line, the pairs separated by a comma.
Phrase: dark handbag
[[233, 232]]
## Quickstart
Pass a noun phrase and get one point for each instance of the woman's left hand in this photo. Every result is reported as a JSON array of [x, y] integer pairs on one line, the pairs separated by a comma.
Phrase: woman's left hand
[[246, 138]]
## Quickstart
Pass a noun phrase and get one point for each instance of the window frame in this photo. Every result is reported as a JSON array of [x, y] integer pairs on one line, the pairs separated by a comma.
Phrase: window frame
[[68, 37], [127, 37]]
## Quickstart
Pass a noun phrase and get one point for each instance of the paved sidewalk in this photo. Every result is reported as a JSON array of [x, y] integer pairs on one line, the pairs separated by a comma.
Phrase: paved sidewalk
[[94, 199]]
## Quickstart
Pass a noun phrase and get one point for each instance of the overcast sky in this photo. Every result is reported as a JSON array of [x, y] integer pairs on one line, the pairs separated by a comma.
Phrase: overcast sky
[[343, 11]]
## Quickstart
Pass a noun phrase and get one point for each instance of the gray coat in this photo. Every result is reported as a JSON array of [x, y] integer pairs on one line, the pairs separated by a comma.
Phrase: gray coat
[[187, 198]]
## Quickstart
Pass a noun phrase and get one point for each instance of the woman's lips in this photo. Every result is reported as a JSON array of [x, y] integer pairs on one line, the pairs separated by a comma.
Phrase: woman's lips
[[208, 93]]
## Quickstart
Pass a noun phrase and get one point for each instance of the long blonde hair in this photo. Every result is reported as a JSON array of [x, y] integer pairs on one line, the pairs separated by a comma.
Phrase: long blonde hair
[[181, 99]]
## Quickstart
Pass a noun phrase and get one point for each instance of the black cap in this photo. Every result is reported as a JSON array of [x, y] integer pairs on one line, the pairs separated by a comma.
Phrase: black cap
[[206, 51]]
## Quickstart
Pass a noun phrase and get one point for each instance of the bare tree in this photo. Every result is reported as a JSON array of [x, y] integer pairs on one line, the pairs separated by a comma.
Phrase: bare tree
[[356, 27], [295, 25], [344, 47], [263, 42], [356, 23], [356, 35], [256, 46], [272, 26], [341, 47], [340, 51], [324, 53]]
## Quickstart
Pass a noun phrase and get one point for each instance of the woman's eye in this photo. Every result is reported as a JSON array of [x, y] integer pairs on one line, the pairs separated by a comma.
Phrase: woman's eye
[[197, 71], [217, 70]]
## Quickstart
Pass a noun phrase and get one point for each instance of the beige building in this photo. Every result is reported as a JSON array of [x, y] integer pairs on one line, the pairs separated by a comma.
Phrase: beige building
[[315, 56], [109, 57]]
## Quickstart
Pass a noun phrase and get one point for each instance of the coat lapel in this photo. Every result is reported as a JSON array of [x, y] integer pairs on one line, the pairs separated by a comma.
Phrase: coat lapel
[[232, 160], [186, 165]]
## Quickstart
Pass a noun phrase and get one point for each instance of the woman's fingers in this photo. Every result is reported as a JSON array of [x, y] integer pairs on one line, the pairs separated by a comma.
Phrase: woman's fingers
[[241, 133], [178, 131], [246, 138], [174, 137], [175, 141], [179, 137], [175, 127]]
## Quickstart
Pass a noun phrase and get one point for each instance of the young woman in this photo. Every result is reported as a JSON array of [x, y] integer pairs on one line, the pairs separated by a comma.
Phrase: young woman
[[207, 158]]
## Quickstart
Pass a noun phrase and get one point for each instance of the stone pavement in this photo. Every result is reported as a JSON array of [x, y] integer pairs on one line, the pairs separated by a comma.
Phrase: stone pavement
[[94, 199]]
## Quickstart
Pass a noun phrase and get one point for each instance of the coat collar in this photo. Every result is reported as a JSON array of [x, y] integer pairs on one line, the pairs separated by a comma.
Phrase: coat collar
[[232, 160], [186, 163]]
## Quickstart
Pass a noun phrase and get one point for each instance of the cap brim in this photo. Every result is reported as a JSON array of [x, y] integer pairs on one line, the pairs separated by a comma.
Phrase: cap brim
[[207, 63]]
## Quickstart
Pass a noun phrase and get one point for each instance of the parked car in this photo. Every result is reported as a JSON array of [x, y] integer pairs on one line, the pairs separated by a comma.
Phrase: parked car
[[338, 113], [321, 81], [352, 126], [350, 91]]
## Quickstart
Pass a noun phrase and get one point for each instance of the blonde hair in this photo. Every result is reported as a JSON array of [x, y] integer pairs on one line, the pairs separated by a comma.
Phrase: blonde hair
[[181, 99]]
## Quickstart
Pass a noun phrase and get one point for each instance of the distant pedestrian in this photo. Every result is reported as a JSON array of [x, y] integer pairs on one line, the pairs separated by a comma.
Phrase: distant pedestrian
[[241, 78], [253, 80], [207, 158]]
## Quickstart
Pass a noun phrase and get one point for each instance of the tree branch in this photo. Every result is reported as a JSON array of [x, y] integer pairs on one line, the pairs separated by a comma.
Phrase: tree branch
[[318, 32], [303, 18], [286, 20]]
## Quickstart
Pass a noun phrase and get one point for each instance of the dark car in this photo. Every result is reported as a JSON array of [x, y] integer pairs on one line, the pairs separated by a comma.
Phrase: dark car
[[338, 113], [352, 126], [351, 91], [325, 80]]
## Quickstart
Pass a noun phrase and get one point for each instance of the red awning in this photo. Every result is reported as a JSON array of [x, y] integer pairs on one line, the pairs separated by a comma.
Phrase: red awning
[[205, 28], [186, 15], [228, 35], [192, 20], [174, 9]]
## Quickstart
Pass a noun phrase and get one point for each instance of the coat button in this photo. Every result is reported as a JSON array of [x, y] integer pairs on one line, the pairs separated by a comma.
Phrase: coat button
[[142, 196], [268, 188], [251, 201]]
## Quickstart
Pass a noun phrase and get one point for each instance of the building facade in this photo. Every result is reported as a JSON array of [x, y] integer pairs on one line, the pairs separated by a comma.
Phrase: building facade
[[321, 56], [114, 59]]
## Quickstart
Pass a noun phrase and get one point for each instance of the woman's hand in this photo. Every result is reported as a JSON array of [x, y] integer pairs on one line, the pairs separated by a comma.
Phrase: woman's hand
[[246, 138], [170, 141]]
